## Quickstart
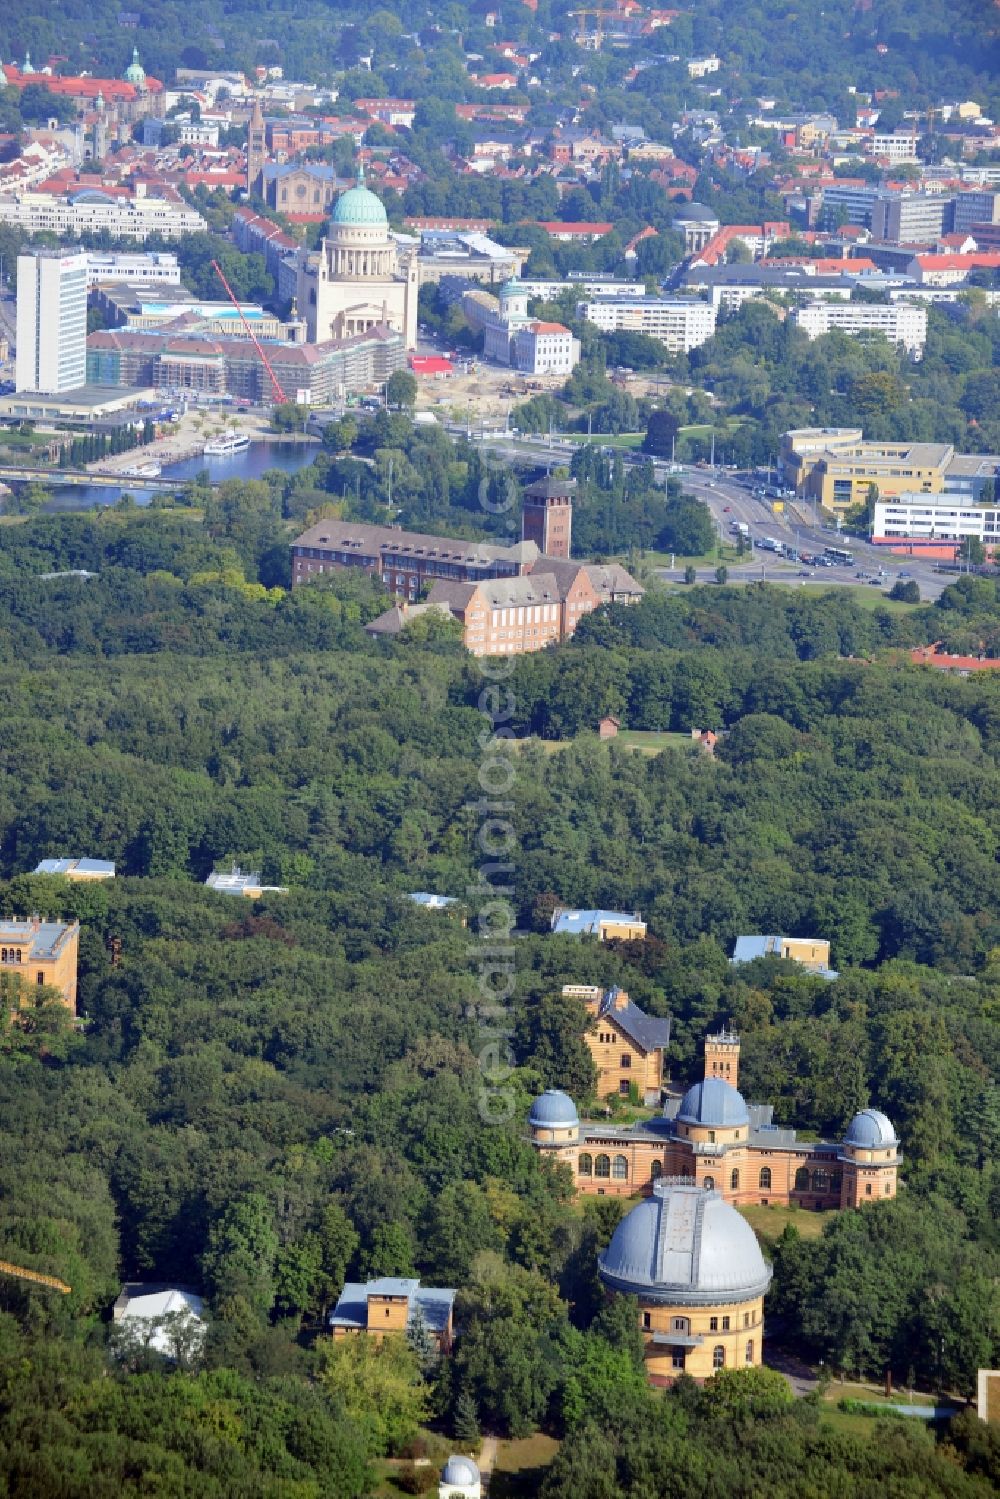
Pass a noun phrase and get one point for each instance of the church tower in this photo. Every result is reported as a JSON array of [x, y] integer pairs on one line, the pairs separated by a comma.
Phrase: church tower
[[547, 517], [100, 130], [256, 151]]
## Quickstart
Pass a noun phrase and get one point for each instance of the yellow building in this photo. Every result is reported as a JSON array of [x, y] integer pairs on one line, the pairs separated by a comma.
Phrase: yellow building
[[41, 954], [812, 953], [627, 1045], [696, 1268], [394, 1304], [78, 869], [604, 925], [714, 1137], [836, 467]]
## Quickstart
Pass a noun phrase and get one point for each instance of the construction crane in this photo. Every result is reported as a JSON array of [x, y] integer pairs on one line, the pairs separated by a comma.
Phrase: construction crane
[[282, 398], [22, 1273]]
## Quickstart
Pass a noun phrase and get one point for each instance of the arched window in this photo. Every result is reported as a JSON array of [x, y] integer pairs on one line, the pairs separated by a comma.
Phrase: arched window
[[709, 1184], [765, 1178], [655, 1170], [802, 1179], [619, 1169], [718, 1357], [585, 1165], [821, 1181], [602, 1165], [734, 1181], [749, 1354]]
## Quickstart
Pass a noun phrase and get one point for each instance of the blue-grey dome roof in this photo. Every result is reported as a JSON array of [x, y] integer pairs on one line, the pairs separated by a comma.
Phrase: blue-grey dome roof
[[685, 1244], [359, 206], [460, 1470], [870, 1127], [554, 1110], [715, 1102]]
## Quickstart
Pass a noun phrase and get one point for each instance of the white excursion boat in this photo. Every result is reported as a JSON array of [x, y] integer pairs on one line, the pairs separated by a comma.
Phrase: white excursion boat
[[226, 445], [143, 471]]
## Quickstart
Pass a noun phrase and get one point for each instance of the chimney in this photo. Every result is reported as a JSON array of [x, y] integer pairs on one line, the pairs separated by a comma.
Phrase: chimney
[[621, 999]]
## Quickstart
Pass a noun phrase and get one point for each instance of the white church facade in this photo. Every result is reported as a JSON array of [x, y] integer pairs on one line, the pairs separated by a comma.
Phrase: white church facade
[[358, 279]]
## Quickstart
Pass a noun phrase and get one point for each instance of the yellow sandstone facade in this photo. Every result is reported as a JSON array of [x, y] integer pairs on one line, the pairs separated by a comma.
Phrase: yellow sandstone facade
[[713, 1137], [41, 954], [696, 1268], [627, 1045]]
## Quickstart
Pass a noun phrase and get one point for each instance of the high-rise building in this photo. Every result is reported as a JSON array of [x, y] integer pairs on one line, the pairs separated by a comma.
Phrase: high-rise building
[[51, 321], [906, 218]]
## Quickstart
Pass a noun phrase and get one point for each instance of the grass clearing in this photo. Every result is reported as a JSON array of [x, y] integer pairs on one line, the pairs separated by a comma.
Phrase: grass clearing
[[652, 742], [520, 1466], [605, 439], [863, 594], [769, 1223]]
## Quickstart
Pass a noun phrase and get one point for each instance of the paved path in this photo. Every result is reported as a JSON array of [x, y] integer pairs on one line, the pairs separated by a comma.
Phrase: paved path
[[487, 1458]]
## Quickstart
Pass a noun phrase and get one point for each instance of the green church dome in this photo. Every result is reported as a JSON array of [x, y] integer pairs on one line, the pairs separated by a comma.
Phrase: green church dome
[[359, 207], [135, 72]]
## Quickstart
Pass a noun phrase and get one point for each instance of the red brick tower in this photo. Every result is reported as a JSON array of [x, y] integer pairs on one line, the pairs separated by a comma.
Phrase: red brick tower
[[548, 515]]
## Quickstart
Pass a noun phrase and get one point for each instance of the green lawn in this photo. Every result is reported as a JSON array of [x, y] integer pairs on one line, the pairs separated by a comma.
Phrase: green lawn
[[649, 742], [643, 741], [606, 439], [862, 593], [520, 1466], [770, 1222], [729, 557]]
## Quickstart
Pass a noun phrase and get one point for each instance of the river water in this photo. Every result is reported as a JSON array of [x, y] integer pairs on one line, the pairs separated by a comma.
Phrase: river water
[[289, 457]]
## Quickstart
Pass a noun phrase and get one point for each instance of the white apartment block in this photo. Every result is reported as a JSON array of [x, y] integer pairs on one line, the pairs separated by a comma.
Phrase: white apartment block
[[700, 67], [681, 323], [590, 285], [134, 218], [51, 321], [935, 517], [197, 133], [139, 268], [901, 322], [895, 146]]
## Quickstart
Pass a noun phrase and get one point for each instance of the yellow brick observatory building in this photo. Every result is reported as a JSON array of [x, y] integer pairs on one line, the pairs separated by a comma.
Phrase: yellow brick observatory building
[[712, 1136]]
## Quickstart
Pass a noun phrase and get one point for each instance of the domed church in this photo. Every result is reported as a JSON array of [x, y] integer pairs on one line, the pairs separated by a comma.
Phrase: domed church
[[696, 1268], [358, 280]]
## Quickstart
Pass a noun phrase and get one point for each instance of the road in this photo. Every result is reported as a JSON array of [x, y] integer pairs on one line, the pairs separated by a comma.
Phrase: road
[[729, 501]]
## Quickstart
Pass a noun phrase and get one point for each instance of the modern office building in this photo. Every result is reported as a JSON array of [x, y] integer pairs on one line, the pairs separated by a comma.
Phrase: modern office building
[[51, 321], [133, 267], [900, 322], [836, 467], [91, 212], [681, 323], [907, 218], [972, 210], [935, 526]]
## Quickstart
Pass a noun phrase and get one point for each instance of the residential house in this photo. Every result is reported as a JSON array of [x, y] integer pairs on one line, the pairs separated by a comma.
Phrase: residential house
[[78, 869], [394, 1304], [812, 953], [627, 1045], [606, 926]]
